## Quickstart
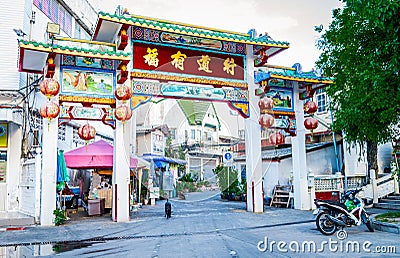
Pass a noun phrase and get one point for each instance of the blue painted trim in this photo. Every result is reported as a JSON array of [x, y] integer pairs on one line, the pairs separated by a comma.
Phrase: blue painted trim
[[183, 47], [86, 67], [188, 76], [186, 44], [261, 76]]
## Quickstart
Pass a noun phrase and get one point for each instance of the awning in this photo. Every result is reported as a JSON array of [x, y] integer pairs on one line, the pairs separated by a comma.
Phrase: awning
[[142, 163], [99, 154], [162, 161]]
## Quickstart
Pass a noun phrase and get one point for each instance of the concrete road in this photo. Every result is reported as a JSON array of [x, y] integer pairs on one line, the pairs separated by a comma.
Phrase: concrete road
[[201, 226]]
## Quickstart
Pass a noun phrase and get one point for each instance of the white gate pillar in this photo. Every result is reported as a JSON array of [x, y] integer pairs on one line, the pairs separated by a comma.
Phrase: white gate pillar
[[38, 171], [121, 170], [300, 185], [255, 198], [49, 171]]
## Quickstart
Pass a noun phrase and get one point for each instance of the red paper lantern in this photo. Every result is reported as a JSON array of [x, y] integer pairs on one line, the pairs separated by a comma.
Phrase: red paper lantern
[[266, 103], [266, 120], [276, 138], [49, 87], [310, 107], [123, 93], [310, 123], [50, 110], [87, 132], [123, 113]]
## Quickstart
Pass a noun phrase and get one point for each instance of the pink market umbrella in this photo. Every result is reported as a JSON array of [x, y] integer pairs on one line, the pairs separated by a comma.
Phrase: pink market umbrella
[[99, 155]]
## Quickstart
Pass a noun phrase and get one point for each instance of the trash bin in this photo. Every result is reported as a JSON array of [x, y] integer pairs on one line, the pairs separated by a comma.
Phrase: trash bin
[[96, 207]]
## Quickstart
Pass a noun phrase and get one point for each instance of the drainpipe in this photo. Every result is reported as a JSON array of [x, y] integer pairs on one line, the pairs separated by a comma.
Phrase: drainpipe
[[335, 146]]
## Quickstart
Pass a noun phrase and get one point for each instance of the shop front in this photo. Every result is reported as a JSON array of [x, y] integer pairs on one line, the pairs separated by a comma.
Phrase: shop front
[[93, 176], [163, 173]]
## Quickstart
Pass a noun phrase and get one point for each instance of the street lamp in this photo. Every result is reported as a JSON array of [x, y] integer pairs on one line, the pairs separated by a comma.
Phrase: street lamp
[[19, 32]]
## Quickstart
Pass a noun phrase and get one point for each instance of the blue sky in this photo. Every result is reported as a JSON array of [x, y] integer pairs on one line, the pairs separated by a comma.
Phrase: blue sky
[[291, 20]]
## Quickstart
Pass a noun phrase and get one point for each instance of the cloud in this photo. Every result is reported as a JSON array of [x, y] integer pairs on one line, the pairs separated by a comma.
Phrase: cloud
[[292, 20], [233, 15]]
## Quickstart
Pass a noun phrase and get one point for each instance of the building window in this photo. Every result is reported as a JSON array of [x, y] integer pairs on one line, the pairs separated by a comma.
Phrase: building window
[[241, 134], [56, 13], [76, 139], [263, 133], [77, 31], [192, 134], [61, 132], [173, 134], [321, 100], [208, 136], [243, 173]]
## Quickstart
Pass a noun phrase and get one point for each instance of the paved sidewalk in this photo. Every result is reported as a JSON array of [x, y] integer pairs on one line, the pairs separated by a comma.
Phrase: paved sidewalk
[[15, 219], [197, 205], [200, 196], [194, 207]]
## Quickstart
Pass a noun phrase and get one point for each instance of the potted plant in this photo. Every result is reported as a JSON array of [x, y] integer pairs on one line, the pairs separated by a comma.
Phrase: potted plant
[[59, 216]]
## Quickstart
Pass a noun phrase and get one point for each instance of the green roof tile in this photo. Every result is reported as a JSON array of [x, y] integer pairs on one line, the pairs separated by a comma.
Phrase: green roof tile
[[163, 25], [94, 51]]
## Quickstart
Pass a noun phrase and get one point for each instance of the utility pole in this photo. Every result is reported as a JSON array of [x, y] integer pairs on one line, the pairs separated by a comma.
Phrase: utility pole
[[32, 21]]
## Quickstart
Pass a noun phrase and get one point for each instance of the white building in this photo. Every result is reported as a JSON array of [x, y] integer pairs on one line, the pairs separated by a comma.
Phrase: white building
[[196, 126], [20, 98]]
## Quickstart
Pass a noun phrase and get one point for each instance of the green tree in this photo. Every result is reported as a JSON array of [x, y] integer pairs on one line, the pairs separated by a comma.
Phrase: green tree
[[227, 179], [179, 153], [168, 150], [360, 52]]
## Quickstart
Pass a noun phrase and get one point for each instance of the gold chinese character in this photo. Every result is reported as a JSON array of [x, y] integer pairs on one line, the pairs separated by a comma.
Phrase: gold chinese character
[[151, 57], [179, 58], [203, 62], [229, 66]]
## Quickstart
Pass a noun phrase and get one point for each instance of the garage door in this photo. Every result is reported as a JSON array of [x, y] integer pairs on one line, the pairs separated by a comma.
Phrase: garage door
[[27, 187]]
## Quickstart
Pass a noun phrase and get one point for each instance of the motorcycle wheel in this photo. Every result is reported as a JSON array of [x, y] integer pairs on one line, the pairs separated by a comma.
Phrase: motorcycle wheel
[[324, 225], [367, 221]]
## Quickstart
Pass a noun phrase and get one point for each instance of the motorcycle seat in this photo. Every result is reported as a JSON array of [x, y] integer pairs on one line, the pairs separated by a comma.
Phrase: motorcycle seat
[[335, 203]]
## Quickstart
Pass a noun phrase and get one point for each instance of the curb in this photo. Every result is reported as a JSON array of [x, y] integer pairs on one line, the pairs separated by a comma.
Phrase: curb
[[384, 226], [12, 228]]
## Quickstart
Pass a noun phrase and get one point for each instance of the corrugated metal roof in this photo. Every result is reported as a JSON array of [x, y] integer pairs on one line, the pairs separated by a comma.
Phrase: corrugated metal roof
[[284, 152], [155, 157]]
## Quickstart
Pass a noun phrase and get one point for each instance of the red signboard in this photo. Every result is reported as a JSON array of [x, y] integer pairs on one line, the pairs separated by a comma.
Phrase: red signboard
[[187, 62]]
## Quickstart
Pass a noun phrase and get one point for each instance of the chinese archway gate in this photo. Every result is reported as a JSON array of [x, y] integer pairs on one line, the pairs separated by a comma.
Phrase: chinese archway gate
[[155, 58]]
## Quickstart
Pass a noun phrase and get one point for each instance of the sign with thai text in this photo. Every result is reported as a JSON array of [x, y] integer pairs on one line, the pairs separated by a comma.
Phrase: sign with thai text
[[3, 171], [3, 166], [3, 135]]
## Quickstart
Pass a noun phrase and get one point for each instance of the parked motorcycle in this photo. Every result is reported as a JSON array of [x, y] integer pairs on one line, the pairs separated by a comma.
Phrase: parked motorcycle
[[348, 212]]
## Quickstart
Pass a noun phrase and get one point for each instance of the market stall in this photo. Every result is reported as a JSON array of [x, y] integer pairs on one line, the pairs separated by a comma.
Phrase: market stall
[[97, 157]]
